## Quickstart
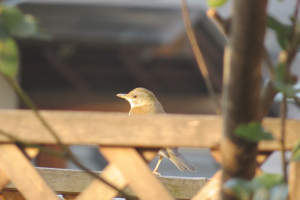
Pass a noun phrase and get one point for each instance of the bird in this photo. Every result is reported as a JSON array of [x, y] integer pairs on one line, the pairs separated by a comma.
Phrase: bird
[[143, 102]]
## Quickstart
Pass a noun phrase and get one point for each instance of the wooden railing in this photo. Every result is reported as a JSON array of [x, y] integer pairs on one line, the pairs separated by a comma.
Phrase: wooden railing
[[72, 182], [126, 142]]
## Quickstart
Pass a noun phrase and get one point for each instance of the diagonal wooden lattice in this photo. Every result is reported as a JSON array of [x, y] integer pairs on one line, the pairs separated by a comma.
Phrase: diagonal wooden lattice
[[119, 137], [24, 176]]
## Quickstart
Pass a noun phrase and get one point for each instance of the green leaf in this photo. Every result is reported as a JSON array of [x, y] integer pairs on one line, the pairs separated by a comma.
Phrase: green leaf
[[253, 132], [282, 31], [282, 40], [9, 58], [267, 181], [14, 23], [261, 194], [216, 3], [287, 90], [12, 2], [274, 24], [279, 71], [241, 188], [279, 192], [296, 152]]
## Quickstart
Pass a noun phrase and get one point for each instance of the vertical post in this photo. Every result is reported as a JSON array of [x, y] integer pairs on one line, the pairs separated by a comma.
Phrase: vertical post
[[242, 75]]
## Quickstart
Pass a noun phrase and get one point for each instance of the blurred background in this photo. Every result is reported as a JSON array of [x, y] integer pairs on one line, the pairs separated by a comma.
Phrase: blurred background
[[103, 47]]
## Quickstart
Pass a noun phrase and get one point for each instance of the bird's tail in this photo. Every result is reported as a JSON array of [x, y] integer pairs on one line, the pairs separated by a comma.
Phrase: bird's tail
[[181, 163]]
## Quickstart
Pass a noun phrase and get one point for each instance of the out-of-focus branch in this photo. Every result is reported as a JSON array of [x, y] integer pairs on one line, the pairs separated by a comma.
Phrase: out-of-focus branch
[[198, 55], [296, 12], [241, 91], [283, 113], [222, 24], [268, 92]]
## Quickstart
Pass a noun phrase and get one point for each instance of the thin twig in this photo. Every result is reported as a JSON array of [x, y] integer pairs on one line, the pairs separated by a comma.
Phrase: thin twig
[[269, 64], [222, 24], [68, 153], [198, 55], [283, 113], [296, 12]]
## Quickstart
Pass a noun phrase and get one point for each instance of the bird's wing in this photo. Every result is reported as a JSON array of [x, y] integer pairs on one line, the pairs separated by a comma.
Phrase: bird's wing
[[164, 153], [179, 161]]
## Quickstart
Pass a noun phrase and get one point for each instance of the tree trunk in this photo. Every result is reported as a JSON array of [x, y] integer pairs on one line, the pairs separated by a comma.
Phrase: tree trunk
[[242, 78]]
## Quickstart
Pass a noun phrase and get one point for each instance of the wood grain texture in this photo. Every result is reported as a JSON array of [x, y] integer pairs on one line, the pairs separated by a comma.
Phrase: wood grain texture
[[66, 181], [211, 191], [3, 180], [294, 181], [31, 152], [115, 129], [140, 179], [20, 171], [100, 191]]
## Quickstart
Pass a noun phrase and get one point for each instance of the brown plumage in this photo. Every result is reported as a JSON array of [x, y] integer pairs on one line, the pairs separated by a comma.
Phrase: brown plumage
[[143, 102]]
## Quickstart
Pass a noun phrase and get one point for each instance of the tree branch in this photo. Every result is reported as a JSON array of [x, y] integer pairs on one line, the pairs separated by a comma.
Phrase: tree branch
[[199, 56], [241, 91], [283, 113]]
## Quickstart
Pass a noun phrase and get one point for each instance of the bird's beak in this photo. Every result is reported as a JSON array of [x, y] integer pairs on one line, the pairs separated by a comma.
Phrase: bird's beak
[[122, 96]]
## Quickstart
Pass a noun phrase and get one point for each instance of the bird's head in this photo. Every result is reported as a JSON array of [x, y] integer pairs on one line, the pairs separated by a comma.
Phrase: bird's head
[[138, 97]]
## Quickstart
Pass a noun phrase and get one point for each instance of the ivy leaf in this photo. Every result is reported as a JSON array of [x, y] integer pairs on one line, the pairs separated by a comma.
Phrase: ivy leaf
[[14, 23], [9, 58], [267, 181], [241, 188], [261, 194], [279, 192], [280, 72], [12, 2], [282, 31], [296, 152], [253, 132], [216, 3], [287, 90]]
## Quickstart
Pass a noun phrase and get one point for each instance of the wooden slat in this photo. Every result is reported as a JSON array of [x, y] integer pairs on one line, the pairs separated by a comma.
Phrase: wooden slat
[[294, 181], [136, 172], [69, 196], [100, 191], [3, 180], [20, 171], [115, 129], [66, 181], [211, 191], [31, 152]]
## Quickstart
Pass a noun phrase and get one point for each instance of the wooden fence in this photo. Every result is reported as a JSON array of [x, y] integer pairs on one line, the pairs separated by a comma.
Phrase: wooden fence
[[126, 142]]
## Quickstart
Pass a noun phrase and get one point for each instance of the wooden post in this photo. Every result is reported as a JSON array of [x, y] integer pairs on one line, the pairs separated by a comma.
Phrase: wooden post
[[294, 181]]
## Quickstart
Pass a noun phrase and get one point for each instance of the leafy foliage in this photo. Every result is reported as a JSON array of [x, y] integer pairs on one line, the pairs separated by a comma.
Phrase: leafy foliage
[[216, 3], [14, 23], [264, 187], [253, 132], [279, 192], [267, 181], [9, 58], [287, 90], [282, 31], [240, 187]]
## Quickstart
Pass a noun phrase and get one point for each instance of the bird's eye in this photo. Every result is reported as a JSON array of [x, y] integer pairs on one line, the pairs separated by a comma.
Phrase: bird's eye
[[134, 96]]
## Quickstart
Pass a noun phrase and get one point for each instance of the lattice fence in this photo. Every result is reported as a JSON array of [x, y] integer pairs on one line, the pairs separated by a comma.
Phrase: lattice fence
[[127, 144]]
